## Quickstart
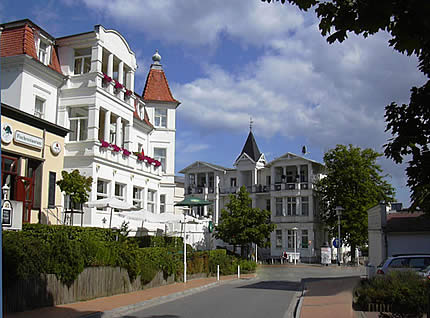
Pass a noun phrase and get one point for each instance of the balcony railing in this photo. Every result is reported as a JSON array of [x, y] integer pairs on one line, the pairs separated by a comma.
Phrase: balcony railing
[[257, 188]]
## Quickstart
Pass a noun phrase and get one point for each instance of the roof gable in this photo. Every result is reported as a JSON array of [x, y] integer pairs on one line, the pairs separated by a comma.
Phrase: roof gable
[[290, 155], [199, 164], [250, 149]]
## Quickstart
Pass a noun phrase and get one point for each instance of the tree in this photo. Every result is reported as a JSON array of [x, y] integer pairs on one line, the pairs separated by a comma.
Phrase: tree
[[75, 186], [407, 23], [240, 224], [352, 181]]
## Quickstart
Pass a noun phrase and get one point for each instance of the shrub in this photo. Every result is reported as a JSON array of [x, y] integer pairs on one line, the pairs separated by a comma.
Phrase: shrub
[[405, 291]]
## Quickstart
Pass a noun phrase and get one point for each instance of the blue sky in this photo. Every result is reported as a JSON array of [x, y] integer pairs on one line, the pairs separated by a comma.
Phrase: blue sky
[[227, 61]]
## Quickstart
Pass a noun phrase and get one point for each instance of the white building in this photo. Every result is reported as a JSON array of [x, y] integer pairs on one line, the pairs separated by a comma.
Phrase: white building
[[85, 83], [283, 186]]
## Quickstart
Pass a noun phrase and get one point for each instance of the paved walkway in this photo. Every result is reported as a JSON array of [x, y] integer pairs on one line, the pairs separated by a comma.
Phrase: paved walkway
[[328, 298], [123, 302]]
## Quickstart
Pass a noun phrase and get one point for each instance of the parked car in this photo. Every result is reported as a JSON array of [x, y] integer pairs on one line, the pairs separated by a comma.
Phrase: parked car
[[415, 262], [425, 272]]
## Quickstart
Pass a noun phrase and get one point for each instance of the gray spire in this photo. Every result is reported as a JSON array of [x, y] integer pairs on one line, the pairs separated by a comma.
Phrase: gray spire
[[156, 58]]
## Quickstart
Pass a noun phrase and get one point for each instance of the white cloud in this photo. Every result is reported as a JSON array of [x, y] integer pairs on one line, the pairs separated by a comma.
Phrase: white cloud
[[202, 22]]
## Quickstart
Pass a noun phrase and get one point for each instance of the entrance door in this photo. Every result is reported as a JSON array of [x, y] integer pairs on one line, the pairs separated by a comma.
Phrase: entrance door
[[25, 193]]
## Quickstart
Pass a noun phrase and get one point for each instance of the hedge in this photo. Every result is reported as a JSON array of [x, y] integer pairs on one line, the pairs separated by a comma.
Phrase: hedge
[[405, 291], [66, 250]]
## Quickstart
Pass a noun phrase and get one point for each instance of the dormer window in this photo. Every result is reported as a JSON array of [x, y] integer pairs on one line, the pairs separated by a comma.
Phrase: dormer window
[[43, 46], [82, 61], [160, 118]]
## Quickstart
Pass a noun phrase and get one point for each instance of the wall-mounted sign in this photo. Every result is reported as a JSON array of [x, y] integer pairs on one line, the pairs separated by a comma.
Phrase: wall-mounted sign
[[6, 133], [6, 211], [56, 147], [29, 140]]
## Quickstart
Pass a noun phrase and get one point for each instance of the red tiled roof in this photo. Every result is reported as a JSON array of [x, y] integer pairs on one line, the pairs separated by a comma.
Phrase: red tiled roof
[[20, 40], [157, 87]]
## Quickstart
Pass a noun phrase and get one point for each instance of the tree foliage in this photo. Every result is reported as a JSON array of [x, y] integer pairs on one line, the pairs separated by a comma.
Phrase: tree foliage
[[240, 224], [352, 181], [408, 25], [75, 185]]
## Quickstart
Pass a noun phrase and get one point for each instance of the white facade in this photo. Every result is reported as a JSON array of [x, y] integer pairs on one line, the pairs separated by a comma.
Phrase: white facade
[[123, 141], [283, 186]]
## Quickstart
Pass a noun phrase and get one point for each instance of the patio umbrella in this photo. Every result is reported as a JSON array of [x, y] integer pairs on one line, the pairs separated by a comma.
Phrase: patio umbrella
[[112, 203], [190, 202]]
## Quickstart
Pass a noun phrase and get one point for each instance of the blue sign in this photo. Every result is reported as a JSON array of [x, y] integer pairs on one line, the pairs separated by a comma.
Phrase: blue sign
[[336, 243]]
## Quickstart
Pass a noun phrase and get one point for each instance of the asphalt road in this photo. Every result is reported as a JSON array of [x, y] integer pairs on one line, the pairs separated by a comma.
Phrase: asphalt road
[[268, 296]]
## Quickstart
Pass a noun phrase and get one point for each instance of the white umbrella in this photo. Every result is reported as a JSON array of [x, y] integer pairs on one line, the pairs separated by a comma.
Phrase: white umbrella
[[112, 203]]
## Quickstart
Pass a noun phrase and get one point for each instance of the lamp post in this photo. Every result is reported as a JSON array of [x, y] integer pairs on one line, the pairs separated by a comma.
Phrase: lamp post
[[339, 210], [295, 244], [185, 252]]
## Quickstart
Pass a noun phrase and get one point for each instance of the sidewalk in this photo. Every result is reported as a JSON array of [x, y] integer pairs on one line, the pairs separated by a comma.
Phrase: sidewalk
[[118, 305], [328, 298]]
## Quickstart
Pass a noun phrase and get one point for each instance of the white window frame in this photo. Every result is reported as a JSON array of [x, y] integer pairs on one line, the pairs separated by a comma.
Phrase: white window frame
[[102, 195], [304, 203], [161, 158], [159, 115], [151, 200], [290, 238], [304, 234], [78, 129], [278, 238], [39, 113], [82, 58], [122, 193], [138, 201], [291, 206], [44, 56], [162, 203], [279, 207]]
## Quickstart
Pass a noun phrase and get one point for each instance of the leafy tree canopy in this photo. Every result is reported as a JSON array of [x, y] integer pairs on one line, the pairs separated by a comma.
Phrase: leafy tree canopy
[[352, 181], [75, 185], [240, 224], [408, 24]]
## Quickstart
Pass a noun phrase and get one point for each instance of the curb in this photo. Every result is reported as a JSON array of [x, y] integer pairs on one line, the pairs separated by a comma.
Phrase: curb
[[299, 302], [121, 311]]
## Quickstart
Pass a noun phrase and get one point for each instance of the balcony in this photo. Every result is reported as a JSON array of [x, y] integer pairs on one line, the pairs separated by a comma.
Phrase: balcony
[[200, 190], [95, 150]]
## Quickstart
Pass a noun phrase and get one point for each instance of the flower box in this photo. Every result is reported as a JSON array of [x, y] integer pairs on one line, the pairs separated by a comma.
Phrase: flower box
[[125, 152], [106, 79], [105, 144], [115, 148], [128, 92]]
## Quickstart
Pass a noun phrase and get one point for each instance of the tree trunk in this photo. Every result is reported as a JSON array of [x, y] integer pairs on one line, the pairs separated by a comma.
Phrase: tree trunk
[[353, 256]]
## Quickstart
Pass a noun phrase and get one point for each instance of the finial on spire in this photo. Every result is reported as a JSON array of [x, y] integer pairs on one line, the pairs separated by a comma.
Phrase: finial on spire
[[250, 123], [156, 58]]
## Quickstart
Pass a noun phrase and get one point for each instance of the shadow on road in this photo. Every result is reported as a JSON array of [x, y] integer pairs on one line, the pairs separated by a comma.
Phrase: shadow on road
[[329, 286], [153, 316], [275, 285]]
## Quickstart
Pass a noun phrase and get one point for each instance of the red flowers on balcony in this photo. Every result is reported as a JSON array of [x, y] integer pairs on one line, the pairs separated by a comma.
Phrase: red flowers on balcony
[[105, 144], [106, 78], [125, 152], [115, 148], [148, 160], [128, 92], [118, 85]]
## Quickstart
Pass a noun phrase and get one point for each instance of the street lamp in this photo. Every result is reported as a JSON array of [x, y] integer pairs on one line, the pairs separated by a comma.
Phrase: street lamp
[[339, 210], [295, 229]]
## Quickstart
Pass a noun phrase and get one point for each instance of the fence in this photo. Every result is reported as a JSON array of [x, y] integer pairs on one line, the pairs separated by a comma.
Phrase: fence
[[93, 282]]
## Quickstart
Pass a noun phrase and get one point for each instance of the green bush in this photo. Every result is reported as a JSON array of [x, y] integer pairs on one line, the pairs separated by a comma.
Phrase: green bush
[[66, 250], [405, 291]]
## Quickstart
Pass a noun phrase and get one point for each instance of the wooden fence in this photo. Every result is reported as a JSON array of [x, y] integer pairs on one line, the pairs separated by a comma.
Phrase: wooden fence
[[93, 282]]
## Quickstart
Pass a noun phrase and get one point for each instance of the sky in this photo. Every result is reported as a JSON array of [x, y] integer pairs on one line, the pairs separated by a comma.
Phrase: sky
[[229, 61]]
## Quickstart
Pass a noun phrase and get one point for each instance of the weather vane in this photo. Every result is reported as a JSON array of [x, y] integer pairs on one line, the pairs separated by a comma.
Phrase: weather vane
[[250, 123]]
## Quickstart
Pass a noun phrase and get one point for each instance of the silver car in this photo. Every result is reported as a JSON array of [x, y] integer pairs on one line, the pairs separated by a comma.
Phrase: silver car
[[415, 262], [425, 272]]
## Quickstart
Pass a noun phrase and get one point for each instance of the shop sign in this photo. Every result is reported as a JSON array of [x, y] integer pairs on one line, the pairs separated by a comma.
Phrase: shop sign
[[29, 140], [6, 213], [56, 147], [6, 133]]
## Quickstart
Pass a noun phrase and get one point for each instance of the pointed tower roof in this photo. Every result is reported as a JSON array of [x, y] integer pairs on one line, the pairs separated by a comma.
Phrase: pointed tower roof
[[251, 148], [156, 86]]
